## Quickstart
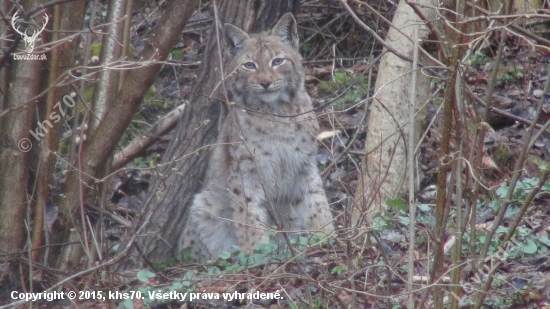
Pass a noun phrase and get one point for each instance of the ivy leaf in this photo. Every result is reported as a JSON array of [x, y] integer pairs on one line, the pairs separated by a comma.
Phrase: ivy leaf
[[397, 203], [144, 275], [529, 246], [424, 207], [544, 240], [338, 269], [127, 304], [176, 286], [225, 255]]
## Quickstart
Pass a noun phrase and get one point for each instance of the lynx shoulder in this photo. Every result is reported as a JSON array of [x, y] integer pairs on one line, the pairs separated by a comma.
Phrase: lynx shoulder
[[262, 173]]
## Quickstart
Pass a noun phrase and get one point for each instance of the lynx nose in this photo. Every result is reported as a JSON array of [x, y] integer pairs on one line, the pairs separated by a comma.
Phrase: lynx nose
[[265, 84]]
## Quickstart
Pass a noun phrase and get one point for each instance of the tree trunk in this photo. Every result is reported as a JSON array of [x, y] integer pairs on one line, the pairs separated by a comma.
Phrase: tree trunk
[[15, 144], [14, 158], [178, 181], [384, 167], [111, 51], [66, 19], [98, 149]]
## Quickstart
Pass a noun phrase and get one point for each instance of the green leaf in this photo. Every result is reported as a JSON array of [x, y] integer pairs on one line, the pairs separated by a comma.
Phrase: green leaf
[[397, 203], [259, 259], [529, 246], [176, 286], [299, 241], [171, 261], [159, 266], [127, 304], [424, 207], [95, 50], [501, 230], [189, 275], [523, 231], [144, 275], [404, 220], [511, 211], [177, 53], [545, 240], [213, 270], [186, 256], [265, 248], [502, 191], [338, 269], [144, 294]]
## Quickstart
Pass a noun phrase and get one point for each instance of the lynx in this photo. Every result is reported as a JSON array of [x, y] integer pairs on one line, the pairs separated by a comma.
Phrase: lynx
[[262, 174]]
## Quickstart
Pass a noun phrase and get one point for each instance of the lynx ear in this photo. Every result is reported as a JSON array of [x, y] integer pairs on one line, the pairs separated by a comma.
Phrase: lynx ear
[[286, 29], [234, 36]]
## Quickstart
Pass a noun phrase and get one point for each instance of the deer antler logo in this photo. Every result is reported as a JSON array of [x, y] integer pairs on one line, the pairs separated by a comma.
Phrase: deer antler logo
[[29, 40]]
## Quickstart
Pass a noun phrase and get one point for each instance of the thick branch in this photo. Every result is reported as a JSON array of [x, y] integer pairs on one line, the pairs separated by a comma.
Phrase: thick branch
[[103, 140]]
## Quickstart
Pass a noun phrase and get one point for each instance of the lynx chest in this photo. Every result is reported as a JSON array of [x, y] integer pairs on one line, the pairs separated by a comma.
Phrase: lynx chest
[[276, 150]]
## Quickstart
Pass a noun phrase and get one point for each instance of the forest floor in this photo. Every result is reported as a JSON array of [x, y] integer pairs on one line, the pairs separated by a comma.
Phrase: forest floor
[[357, 268], [344, 274]]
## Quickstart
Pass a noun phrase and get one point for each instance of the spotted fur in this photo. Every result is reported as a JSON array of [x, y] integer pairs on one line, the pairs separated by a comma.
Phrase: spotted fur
[[262, 174]]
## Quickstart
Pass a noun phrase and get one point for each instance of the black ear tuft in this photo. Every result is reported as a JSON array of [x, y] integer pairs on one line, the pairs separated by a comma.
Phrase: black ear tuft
[[234, 36], [287, 30]]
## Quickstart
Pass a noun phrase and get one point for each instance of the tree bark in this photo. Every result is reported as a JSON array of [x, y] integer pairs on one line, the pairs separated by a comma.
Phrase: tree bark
[[98, 149], [66, 19], [14, 158], [179, 180], [111, 52], [384, 167], [25, 79]]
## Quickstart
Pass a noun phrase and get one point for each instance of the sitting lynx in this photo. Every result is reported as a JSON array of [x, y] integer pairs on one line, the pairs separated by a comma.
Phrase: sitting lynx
[[262, 172]]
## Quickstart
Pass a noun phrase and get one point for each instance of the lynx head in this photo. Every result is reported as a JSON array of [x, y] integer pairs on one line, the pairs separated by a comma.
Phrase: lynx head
[[265, 69]]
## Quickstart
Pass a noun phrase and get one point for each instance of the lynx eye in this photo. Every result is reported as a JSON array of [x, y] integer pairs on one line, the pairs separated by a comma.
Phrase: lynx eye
[[249, 65], [277, 62]]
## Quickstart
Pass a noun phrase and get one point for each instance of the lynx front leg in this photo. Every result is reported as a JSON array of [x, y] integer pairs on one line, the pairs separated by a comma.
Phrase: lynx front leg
[[190, 240], [209, 231], [250, 224], [247, 198], [319, 217]]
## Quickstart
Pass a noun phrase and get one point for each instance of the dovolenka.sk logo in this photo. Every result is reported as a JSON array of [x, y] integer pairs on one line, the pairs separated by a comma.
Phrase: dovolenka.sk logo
[[29, 40]]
